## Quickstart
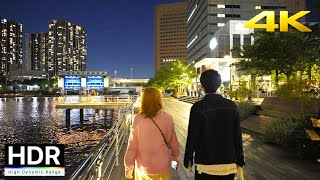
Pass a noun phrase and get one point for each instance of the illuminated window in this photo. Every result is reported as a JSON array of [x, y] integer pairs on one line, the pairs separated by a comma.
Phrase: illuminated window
[[258, 7], [221, 24], [220, 6], [221, 15]]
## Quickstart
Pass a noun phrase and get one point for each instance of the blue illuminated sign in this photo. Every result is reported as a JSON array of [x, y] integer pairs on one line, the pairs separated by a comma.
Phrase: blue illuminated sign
[[95, 82], [72, 82]]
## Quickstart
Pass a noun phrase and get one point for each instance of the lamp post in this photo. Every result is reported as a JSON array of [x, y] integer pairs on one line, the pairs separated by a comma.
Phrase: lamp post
[[115, 77]]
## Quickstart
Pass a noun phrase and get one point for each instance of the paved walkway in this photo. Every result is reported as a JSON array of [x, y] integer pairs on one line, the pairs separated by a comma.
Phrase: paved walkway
[[264, 161]]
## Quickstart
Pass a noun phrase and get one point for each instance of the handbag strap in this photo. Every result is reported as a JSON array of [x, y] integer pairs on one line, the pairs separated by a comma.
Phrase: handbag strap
[[164, 138]]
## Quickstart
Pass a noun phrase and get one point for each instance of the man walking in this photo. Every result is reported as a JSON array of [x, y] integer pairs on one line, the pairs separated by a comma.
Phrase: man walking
[[214, 134]]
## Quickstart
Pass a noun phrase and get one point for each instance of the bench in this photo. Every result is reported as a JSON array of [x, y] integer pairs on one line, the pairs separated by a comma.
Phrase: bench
[[313, 135]]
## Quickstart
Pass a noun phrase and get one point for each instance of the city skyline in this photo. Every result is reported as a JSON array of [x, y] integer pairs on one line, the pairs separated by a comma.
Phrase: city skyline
[[116, 41]]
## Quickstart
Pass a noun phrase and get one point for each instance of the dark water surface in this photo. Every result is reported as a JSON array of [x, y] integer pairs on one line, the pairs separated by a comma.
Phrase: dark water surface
[[36, 120]]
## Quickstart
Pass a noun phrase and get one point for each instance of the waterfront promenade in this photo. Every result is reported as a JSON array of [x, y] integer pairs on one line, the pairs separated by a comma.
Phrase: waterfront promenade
[[264, 161]]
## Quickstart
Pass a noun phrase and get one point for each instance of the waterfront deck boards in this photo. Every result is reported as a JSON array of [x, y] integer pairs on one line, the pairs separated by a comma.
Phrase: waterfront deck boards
[[264, 161], [257, 123]]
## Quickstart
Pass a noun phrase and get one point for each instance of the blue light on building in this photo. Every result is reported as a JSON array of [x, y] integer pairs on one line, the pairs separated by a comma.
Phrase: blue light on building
[[95, 82], [72, 82], [83, 81]]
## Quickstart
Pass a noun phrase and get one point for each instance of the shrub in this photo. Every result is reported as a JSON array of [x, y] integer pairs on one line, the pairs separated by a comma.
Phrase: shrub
[[246, 109], [293, 88], [281, 131], [241, 93]]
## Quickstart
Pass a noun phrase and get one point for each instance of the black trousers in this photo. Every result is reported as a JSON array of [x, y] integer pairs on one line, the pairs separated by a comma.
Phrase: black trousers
[[204, 176]]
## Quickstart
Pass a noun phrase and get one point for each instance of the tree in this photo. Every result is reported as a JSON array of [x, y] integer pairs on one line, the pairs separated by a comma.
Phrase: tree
[[279, 51], [176, 75], [248, 64], [311, 49]]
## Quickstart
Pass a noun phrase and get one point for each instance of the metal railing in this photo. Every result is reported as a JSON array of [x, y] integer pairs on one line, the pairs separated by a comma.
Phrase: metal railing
[[97, 99], [101, 161]]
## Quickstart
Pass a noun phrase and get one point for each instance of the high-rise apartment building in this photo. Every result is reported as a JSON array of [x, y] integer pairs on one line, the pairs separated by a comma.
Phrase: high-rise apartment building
[[205, 17], [170, 32], [67, 47], [37, 51], [10, 45]]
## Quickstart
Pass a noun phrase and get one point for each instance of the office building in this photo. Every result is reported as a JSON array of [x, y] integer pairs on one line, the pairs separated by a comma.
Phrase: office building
[[170, 32], [205, 17], [10, 45], [230, 35], [37, 51], [67, 47]]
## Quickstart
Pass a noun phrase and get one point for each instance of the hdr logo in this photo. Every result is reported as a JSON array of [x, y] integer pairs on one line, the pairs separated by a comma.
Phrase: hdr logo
[[34, 160], [285, 20]]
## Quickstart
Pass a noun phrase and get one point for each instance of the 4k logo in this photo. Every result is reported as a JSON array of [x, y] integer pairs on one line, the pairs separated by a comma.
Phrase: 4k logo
[[285, 20]]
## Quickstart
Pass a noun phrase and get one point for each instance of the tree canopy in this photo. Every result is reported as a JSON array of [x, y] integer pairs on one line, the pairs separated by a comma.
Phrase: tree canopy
[[173, 75], [282, 52]]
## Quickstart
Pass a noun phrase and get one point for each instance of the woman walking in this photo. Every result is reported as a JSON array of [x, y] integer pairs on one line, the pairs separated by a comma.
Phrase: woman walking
[[153, 143]]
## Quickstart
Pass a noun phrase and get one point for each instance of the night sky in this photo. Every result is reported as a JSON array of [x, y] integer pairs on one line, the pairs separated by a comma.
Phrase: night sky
[[120, 32]]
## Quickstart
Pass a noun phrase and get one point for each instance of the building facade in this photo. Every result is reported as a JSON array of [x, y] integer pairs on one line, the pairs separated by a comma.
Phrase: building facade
[[10, 45], [230, 35], [37, 51], [67, 47], [170, 33], [205, 17], [83, 80], [22, 74]]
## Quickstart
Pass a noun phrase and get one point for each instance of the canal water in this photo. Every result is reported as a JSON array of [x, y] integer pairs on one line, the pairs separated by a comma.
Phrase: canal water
[[35, 120]]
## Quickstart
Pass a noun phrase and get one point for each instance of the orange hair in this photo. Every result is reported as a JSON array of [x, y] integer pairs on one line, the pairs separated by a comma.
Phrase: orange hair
[[151, 102]]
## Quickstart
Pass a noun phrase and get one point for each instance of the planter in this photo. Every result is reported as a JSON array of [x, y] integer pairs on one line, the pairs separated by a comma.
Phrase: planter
[[279, 107]]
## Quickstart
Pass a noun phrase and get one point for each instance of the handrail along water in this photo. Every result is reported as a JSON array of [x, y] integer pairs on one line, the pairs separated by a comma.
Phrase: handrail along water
[[105, 155]]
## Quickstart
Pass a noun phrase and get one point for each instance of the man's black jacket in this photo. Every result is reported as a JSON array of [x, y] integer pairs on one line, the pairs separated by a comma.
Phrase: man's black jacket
[[214, 133]]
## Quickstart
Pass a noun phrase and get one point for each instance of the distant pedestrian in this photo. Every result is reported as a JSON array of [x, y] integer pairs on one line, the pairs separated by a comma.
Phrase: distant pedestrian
[[214, 134], [153, 143]]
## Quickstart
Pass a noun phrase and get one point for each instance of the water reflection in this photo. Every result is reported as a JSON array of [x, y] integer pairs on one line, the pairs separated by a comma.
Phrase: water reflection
[[36, 120]]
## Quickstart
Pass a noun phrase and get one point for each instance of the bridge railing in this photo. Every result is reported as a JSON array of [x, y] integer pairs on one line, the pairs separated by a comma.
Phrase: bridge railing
[[96, 99], [99, 164]]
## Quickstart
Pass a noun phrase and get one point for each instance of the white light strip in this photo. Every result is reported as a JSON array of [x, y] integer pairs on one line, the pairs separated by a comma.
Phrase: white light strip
[[192, 41], [192, 12], [221, 24], [220, 6]]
